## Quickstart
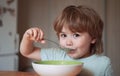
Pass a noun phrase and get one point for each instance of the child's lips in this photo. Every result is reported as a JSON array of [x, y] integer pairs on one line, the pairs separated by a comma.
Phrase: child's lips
[[72, 51]]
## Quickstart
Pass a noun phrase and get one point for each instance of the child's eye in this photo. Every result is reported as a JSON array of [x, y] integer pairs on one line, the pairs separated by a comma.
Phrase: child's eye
[[76, 35], [63, 35]]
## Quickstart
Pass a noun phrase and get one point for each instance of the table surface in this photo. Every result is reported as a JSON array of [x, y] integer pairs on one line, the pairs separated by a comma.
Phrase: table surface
[[17, 73]]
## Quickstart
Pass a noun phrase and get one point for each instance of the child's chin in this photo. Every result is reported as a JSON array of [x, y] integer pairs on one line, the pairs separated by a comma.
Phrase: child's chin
[[73, 56]]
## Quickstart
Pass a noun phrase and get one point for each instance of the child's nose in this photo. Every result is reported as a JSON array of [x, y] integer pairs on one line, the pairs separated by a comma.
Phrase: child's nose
[[69, 42]]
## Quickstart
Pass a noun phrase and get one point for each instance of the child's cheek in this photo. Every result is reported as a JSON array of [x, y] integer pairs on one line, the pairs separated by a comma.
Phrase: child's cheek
[[62, 43]]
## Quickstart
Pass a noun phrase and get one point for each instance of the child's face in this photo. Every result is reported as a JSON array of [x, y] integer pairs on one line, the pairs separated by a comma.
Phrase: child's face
[[79, 43]]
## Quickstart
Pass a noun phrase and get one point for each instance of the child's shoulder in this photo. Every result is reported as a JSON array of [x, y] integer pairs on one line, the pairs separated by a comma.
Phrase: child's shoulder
[[104, 59]]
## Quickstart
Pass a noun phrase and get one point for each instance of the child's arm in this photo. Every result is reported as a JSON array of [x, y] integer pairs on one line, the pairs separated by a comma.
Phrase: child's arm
[[27, 48]]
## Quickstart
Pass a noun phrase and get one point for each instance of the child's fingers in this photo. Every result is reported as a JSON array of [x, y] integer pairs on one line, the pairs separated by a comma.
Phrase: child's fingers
[[29, 33], [38, 34], [35, 33], [41, 34]]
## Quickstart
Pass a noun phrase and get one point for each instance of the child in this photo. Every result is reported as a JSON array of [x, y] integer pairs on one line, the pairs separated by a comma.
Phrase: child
[[79, 28]]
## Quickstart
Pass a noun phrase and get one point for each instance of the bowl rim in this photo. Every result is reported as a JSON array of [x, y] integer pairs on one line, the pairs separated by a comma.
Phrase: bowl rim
[[67, 62]]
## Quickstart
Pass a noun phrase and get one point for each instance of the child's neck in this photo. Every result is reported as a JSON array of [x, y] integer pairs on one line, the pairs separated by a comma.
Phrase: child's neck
[[87, 55]]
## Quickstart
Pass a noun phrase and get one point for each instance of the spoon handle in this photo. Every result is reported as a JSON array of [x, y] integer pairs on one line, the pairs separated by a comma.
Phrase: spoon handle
[[63, 48], [52, 41]]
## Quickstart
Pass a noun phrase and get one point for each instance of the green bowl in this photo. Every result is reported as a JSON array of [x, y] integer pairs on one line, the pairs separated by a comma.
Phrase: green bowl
[[52, 62]]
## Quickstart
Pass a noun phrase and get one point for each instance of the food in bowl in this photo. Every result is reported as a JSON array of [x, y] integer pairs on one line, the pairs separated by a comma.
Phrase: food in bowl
[[57, 68]]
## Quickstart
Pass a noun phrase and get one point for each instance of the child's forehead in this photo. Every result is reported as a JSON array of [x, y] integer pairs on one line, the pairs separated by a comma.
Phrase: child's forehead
[[67, 29]]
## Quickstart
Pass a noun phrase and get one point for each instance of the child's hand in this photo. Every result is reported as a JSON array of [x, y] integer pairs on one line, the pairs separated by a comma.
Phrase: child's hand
[[35, 34]]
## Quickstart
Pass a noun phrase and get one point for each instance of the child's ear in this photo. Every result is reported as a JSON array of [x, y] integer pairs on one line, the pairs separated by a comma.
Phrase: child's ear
[[93, 40]]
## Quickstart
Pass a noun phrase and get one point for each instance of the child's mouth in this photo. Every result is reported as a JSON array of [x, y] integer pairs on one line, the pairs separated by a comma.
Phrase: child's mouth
[[71, 51]]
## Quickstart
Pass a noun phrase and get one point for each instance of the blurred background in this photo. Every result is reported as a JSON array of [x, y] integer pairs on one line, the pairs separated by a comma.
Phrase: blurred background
[[16, 16]]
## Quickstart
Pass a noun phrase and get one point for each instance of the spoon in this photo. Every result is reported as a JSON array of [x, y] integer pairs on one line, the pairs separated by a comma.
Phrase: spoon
[[62, 48]]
